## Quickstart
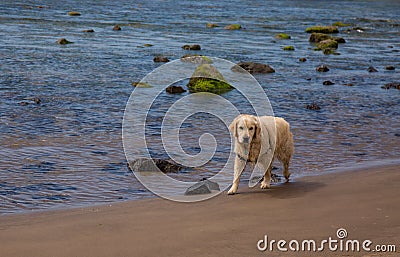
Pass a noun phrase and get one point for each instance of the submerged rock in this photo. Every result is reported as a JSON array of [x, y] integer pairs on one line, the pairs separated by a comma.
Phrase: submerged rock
[[160, 59], [233, 27], [202, 187], [282, 36], [390, 67], [206, 78], [253, 67], [318, 37], [141, 85], [197, 59], [175, 89], [288, 48], [88, 30], [330, 51], [302, 59], [372, 69], [63, 41], [328, 83], [395, 85], [313, 107], [323, 29], [192, 47], [340, 24], [74, 13], [116, 28], [211, 25], [322, 68], [328, 43], [154, 165]]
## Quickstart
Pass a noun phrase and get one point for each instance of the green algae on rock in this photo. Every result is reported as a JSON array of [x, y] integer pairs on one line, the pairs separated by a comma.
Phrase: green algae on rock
[[141, 84], [206, 78], [282, 36], [325, 44], [233, 27], [288, 48], [196, 58], [340, 24], [211, 25], [323, 29]]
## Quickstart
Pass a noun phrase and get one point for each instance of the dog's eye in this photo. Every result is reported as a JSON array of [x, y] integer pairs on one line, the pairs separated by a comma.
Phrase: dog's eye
[[251, 128], [241, 128]]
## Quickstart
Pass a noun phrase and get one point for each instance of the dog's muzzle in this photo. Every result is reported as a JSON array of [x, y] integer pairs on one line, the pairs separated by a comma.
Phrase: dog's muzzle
[[246, 140]]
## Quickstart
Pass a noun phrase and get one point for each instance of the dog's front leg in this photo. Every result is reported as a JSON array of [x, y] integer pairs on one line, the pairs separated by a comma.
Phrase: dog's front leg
[[265, 165], [238, 169]]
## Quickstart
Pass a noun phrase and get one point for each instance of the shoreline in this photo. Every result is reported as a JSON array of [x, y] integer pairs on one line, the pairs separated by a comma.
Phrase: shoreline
[[345, 167], [363, 201]]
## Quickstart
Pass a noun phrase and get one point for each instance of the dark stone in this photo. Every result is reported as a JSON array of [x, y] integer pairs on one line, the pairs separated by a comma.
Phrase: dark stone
[[313, 107], [116, 28], [202, 187], [330, 51], [63, 41], [308, 78], [322, 68], [192, 47], [328, 83], [318, 37], [88, 30], [175, 89], [23, 103], [37, 100], [302, 60], [348, 84], [391, 85], [372, 69], [154, 165], [74, 13], [160, 59], [253, 67], [397, 135], [390, 67], [340, 40]]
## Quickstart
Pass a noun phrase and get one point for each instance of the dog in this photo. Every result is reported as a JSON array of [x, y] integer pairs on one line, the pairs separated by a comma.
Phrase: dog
[[260, 140]]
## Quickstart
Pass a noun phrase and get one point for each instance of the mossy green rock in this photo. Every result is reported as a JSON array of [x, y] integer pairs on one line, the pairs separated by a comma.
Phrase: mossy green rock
[[282, 36], [340, 24], [233, 27], [288, 48], [323, 29], [206, 78], [329, 43], [318, 37], [211, 25], [141, 85], [63, 41]]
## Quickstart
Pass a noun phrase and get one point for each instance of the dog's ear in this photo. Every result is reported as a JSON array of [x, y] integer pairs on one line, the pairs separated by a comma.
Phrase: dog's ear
[[257, 127], [233, 127]]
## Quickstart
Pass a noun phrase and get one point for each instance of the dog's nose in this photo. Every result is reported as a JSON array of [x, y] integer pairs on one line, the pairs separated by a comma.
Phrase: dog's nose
[[246, 140]]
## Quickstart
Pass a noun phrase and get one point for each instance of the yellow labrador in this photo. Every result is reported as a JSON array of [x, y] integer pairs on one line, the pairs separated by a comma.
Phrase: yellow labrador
[[255, 140]]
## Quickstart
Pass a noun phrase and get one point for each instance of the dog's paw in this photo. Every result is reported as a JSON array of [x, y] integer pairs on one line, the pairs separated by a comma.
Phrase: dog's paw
[[265, 185], [231, 192]]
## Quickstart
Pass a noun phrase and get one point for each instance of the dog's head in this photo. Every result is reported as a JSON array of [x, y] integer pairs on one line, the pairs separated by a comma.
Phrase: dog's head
[[245, 128]]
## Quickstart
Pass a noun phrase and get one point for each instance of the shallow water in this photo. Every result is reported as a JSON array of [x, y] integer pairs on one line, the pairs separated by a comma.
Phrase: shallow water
[[67, 151]]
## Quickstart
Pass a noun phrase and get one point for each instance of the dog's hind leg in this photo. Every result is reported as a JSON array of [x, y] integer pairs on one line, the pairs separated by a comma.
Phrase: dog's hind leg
[[238, 169]]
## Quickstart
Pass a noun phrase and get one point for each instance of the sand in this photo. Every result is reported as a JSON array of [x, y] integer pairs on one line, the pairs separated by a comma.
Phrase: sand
[[365, 202]]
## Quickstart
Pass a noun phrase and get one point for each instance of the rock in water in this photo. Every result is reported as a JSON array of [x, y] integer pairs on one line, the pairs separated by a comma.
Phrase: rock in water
[[74, 13], [314, 107], [372, 69], [63, 41], [202, 187], [323, 29], [153, 165], [391, 85], [175, 89], [160, 59], [206, 78], [233, 27], [192, 47], [328, 43], [253, 67], [322, 68]]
